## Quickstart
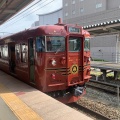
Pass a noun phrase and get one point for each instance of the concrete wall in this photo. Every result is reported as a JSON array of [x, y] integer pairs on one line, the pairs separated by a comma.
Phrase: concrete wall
[[104, 48]]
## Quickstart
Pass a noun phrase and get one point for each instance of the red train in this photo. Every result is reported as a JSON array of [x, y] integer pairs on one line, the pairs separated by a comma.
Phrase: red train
[[51, 58], [87, 56]]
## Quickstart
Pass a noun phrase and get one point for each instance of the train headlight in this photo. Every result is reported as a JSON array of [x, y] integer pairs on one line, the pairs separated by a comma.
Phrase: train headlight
[[53, 62]]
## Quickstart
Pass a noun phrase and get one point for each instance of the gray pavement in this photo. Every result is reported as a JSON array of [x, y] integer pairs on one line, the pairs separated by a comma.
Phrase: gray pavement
[[5, 112]]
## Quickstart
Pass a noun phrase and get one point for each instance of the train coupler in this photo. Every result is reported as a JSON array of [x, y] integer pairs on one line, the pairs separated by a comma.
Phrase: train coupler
[[78, 91]]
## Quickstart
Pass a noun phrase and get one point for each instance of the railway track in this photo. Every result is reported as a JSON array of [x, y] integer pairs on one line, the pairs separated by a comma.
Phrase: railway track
[[104, 86], [87, 111], [96, 110]]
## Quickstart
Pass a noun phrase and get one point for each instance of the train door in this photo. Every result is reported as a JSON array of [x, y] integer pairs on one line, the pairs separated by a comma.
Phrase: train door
[[75, 59], [31, 60], [11, 52]]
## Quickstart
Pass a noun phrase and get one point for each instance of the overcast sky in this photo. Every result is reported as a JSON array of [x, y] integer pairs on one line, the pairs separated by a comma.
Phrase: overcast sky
[[24, 20]]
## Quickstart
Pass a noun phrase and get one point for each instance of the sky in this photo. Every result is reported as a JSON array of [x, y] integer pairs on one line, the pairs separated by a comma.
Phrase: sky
[[26, 17]]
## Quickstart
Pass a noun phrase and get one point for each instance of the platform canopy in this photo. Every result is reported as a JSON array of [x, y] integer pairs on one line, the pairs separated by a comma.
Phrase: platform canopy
[[8, 8], [107, 27]]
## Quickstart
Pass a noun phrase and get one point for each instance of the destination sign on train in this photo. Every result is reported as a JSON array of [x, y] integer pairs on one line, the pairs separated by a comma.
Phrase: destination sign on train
[[74, 30]]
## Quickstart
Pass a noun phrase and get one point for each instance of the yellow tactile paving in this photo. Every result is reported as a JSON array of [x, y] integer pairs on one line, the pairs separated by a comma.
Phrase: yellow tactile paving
[[19, 108]]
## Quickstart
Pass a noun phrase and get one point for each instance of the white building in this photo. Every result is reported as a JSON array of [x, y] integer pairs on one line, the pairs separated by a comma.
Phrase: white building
[[49, 18], [36, 23]]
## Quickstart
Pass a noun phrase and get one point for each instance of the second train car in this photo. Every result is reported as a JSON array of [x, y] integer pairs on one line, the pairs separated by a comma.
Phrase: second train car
[[87, 56], [50, 58]]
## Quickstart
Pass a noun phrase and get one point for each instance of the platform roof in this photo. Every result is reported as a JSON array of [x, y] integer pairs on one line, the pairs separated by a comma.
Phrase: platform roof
[[8, 8], [107, 27]]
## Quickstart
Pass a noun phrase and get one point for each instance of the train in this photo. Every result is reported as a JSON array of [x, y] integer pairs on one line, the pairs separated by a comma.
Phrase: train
[[51, 58], [87, 56]]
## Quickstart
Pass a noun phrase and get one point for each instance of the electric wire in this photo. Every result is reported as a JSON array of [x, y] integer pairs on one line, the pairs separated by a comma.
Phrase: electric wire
[[23, 11], [19, 18], [9, 25]]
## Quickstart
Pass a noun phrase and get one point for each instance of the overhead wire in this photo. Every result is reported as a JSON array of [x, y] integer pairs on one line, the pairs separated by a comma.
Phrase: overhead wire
[[20, 17], [23, 11], [27, 15]]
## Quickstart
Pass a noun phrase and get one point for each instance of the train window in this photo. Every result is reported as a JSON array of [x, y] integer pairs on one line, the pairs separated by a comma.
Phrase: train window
[[17, 52], [24, 55], [4, 51], [55, 43], [40, 44], [0, 51], [74, 44], [87, 44]]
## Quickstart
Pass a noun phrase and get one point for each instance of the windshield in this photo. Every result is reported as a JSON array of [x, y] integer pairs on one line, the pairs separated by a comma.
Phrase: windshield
[[87, 44], [74, 44], [55, 43]]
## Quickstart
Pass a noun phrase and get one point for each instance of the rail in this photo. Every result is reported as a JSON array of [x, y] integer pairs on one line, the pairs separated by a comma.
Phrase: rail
[[87, 111], [116, 90]]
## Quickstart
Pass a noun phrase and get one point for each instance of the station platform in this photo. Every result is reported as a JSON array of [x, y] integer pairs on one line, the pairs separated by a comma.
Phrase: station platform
[[19, 101], [104, 66]]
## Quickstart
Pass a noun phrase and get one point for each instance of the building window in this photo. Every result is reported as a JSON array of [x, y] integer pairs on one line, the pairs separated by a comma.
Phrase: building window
[[98, 5], [66, 4], [66, 14], [73, 1], [73, 12], [81, 10]]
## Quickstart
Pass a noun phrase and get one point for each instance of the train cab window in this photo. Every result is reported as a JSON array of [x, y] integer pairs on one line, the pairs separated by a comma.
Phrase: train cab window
[[55, 43], [74, 44], [40, 44], [24, 55], [87, 44]]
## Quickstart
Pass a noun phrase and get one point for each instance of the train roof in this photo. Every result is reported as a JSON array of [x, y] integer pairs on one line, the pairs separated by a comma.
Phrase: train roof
[[44, 27], [31, 29]]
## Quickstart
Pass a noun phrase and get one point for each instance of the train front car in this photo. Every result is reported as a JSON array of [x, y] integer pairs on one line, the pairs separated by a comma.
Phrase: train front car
[[87, 57], [60, 62]]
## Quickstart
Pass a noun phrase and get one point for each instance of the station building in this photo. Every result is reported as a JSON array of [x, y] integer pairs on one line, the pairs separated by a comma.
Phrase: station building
[[94, 12]]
